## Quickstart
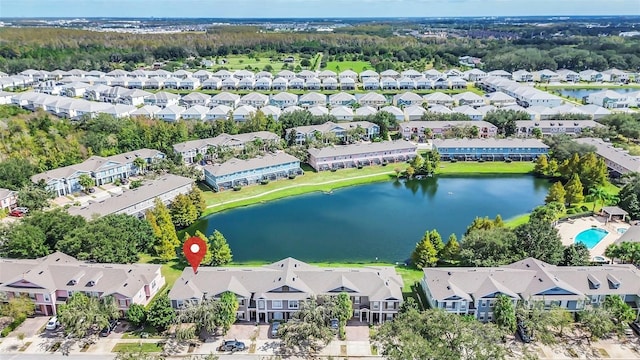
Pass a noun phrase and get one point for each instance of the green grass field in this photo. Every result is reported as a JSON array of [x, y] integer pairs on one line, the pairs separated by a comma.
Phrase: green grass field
[[489, 167], [357, 66], [240, 62], [146, 347]]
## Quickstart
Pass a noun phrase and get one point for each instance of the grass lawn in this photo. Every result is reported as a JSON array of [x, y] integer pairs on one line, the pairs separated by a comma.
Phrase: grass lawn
[[489, 167], [146, 347], [357, 66], [309, 182], [240, 62], [582, 85], [150, 330], [171, 270]]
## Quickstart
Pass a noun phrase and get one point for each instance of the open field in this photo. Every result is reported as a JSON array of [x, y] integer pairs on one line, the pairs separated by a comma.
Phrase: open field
[[240, 62], [490, 167], [357, 66]]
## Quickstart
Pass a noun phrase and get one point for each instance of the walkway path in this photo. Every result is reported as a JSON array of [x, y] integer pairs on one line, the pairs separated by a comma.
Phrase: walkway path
[[299, 185]]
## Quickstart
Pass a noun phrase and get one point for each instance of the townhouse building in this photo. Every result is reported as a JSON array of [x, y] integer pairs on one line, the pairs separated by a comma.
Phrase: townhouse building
[[189, 150], [104, 170], [490, 149], [418, 129], [274, 291], [8, 199], [618, 160], [341, 130], [360, 154], [49, 281], [554, 127], [136, 202], [474, 291], [236, 172]]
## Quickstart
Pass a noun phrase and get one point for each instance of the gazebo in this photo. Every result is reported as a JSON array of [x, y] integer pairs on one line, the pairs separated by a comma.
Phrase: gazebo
[[613, 211]]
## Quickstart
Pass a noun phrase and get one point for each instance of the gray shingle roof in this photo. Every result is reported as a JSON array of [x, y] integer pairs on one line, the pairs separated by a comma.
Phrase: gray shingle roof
[[361, 148], [236, 165], [149, 190], [613, 154], [489, 142], [378, 283], [54, 272]]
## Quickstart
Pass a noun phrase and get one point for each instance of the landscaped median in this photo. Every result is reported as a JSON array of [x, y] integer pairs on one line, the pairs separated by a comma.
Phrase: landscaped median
[[327, 180]]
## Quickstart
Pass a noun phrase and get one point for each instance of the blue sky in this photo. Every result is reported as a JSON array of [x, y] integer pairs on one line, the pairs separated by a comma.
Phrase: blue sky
[[312, 8]]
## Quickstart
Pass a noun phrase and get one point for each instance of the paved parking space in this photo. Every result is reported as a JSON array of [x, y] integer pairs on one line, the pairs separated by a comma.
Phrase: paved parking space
[[357, 331], [244, 331], [31, 326]]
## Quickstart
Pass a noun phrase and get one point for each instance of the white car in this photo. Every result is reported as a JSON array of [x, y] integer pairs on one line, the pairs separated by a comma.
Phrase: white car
[[53, 323]]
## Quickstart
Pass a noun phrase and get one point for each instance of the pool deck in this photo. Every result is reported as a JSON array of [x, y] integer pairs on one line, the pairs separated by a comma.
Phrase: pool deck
[[569, 229]]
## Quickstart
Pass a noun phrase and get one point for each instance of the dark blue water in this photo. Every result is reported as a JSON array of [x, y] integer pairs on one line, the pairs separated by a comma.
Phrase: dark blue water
[[376, 221], [580, 93]]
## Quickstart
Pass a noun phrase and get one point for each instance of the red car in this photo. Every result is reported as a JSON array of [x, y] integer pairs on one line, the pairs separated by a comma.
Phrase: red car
[[16, 213]]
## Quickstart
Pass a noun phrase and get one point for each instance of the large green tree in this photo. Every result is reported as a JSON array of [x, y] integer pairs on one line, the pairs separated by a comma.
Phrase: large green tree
[[576, 254], [115, 238], [220, 250], [411, 336], [308, 330], [55, 224], [18, 307], [136, 314], [34, 197], [575, 190], [183, 211], [161, 315], [505, 314], [488, 248], [556, 194], [540, 240], [82, 313], [24, 241], [166, 239], [424, 254]]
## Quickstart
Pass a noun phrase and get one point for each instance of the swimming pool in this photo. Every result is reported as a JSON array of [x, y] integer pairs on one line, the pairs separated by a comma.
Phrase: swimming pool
[[591, 237], [621, 230]]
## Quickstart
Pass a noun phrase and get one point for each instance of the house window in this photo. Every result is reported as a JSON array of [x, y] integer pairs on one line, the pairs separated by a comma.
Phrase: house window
[[481, 317], [490, 316], [356, 300], [122, 302], [483, 302], [375, 305], [293, 304], [491, 303], [153, 284], [276, 304], [46, 298], [390, 304]]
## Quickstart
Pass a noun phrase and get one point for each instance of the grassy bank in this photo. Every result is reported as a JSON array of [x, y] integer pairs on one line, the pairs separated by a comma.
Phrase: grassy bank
[[327, 181]]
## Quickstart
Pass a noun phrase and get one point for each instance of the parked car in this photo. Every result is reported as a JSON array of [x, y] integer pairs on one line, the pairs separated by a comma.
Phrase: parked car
[[109, 328], [16, 213], [524, 333], [232, 345], [274, 329], [636, 327], [52, 324], [334, 324]]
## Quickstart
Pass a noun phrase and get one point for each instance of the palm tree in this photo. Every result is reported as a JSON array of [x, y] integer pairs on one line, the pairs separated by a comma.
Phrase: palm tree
[[598, 194], [140, 163]]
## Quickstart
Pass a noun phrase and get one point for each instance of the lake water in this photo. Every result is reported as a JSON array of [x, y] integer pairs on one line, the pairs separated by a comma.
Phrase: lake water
[[376, 221], [580, 93]]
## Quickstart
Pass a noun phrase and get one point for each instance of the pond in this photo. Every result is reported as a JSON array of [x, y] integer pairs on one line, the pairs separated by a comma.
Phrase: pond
[[380, 221], [581, 93]]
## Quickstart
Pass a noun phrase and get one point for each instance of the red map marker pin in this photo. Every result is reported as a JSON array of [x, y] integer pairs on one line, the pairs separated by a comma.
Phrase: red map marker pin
[[194, 250]]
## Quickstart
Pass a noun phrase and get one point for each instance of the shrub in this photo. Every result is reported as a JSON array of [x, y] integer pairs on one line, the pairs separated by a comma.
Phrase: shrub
[[583, 208], [571, 211], [507, 160], [12, 326], [454, 160], [135, 184], [237, 188], [342, 334]]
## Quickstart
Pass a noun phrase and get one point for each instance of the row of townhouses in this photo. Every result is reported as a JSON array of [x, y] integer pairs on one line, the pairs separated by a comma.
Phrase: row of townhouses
[[474, 291], [103, 170], [184, 79], [490, 149], [618, 160], [201, 107], [275, 291]]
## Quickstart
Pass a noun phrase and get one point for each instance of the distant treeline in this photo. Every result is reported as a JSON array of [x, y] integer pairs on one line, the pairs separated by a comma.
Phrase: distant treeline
[[50, 49]]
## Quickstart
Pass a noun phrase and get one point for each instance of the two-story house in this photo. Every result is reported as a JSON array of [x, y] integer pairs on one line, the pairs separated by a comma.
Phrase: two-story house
[[237, 172], [275, 291], [49, 281]]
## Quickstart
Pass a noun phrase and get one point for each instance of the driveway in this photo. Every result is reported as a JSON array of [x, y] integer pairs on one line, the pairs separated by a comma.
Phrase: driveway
[[357, 331], [245, 331], [31, 326]]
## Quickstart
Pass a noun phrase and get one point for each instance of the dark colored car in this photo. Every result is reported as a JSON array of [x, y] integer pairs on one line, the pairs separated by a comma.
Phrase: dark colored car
[[636, 327], [274, 329], [524, 333], [109, 328], [334, 324], [232, 345]]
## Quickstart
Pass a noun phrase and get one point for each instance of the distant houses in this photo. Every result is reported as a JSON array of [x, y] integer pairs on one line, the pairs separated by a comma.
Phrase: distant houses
[[361, 154], [341, 131], [237, 173], [618, 160], [136, 202], [490, 149], [205, 148], [104, 170]]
